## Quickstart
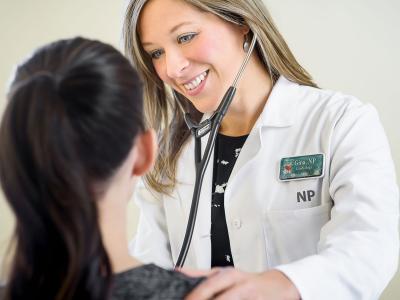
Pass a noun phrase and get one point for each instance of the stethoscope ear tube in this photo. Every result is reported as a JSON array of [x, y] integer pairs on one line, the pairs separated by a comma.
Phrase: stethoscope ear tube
[[211, 126]]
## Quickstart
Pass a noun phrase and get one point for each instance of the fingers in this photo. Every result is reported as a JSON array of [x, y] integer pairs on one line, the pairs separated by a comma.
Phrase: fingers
[[237, 292], [198, 273], [216, 284]]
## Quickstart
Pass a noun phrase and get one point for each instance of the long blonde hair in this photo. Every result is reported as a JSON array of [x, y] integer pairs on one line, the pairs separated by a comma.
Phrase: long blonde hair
[[163, 106]]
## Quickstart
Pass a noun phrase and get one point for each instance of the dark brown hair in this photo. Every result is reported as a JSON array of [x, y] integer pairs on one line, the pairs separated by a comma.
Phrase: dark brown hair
[[74, 109]]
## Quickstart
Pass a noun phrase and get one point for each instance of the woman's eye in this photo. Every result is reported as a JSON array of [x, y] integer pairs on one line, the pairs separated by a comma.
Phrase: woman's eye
[[155, 54], [186, 38]]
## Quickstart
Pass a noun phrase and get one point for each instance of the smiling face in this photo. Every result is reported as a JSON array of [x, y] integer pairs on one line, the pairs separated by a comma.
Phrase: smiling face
[[196, 53]]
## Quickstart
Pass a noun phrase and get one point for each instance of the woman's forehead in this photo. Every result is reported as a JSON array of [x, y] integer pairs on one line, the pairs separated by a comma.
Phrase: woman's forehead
[[166, 15]]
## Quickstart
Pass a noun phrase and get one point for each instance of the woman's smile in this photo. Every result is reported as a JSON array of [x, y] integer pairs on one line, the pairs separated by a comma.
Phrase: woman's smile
[[196, 85]]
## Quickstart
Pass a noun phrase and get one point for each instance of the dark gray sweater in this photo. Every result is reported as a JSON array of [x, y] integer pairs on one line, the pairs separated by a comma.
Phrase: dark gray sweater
[[148, 282], [152, 282]]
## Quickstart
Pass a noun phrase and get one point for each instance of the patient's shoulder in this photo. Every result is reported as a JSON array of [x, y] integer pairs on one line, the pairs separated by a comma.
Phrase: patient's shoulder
[[152, 282]]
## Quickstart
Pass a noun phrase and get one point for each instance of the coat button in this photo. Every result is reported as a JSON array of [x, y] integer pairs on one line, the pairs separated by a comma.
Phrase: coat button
[[237, 223]]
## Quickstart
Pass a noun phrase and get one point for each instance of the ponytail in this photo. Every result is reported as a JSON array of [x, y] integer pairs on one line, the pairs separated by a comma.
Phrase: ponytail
[[67, 104], [59, 253]]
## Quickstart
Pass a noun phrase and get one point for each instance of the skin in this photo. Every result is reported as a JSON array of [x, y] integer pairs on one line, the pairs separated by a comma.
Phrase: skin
[[183, 42], [230, 284], [112, 205]]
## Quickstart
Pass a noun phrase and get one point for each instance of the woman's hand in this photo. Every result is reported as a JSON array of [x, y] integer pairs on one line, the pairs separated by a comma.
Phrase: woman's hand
[[229, 283]]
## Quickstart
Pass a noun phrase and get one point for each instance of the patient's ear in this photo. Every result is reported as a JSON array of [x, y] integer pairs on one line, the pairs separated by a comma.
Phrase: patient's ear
[[146, 148]]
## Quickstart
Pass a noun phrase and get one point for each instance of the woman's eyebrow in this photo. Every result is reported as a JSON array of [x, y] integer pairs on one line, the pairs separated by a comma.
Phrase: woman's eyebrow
[[176, 27], [172, 30]]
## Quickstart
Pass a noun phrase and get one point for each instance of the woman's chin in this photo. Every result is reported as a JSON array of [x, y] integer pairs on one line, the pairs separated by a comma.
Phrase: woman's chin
[[206, 108]]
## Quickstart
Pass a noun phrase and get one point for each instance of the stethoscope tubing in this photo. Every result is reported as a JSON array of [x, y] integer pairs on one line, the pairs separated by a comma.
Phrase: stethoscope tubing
[[211, 126]]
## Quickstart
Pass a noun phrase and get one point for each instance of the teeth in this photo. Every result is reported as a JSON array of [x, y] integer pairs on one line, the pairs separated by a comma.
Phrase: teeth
[[195, 82]]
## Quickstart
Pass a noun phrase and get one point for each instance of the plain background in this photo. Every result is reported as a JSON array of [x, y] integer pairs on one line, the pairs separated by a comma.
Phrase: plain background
[[350, 46]]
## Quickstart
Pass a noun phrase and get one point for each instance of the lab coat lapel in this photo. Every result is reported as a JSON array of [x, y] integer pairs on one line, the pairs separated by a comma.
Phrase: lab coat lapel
[[278, 112], [186, 177], [180, 202], [249, 150], [200, 245]]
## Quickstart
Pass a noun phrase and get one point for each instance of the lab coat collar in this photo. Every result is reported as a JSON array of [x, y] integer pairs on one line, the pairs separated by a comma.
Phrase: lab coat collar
[[280, 109]]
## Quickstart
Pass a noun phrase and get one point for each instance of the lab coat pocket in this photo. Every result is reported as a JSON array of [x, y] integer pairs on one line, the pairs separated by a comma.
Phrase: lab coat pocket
[[293, 234]]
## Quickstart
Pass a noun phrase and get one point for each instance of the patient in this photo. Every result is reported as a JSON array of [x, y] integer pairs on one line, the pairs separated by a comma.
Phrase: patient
[[73, 143]]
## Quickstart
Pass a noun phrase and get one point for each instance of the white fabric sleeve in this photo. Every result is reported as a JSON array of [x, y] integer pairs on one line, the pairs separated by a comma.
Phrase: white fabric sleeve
[[358, 249]]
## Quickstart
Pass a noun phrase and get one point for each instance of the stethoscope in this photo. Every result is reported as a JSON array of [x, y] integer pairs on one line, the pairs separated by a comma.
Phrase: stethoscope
[[211, 125]]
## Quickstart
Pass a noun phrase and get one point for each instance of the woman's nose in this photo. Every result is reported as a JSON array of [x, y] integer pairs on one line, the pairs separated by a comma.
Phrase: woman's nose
[[176, 64]]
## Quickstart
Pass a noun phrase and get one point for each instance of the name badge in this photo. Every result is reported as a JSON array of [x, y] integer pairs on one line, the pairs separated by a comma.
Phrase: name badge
[[302, 167]]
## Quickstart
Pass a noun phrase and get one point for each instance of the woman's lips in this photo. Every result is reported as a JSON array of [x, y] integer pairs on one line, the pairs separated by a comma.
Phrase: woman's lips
[[195, 87]]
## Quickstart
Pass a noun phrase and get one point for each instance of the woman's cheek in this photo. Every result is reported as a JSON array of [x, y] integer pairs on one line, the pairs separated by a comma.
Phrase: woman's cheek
[[161, 71], [206, 50]]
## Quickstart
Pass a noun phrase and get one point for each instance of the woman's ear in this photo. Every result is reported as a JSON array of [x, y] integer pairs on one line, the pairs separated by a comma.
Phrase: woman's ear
[[146, 152], [245, 29]]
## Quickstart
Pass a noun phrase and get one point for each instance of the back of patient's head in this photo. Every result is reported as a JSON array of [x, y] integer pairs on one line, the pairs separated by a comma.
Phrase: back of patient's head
[[74, 109]]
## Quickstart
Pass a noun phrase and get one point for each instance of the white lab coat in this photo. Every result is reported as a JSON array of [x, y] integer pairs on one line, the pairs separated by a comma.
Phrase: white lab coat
[[343, 244]]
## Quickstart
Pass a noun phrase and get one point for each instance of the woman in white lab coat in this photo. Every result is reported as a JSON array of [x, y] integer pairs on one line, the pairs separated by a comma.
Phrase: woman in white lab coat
[[310, 206]]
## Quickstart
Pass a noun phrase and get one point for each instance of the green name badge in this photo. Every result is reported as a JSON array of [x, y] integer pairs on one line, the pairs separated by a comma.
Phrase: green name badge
[[301, 167]]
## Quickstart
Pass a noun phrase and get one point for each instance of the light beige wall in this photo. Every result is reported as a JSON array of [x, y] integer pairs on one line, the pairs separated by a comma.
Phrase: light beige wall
[[351, 46]]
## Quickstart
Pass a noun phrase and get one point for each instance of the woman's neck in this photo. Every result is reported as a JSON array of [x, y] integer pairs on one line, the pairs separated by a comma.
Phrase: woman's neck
[[249, 101], [113, 226]]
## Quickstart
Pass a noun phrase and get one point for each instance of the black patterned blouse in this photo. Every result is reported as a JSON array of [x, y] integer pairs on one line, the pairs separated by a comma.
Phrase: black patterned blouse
[[227, 150]]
